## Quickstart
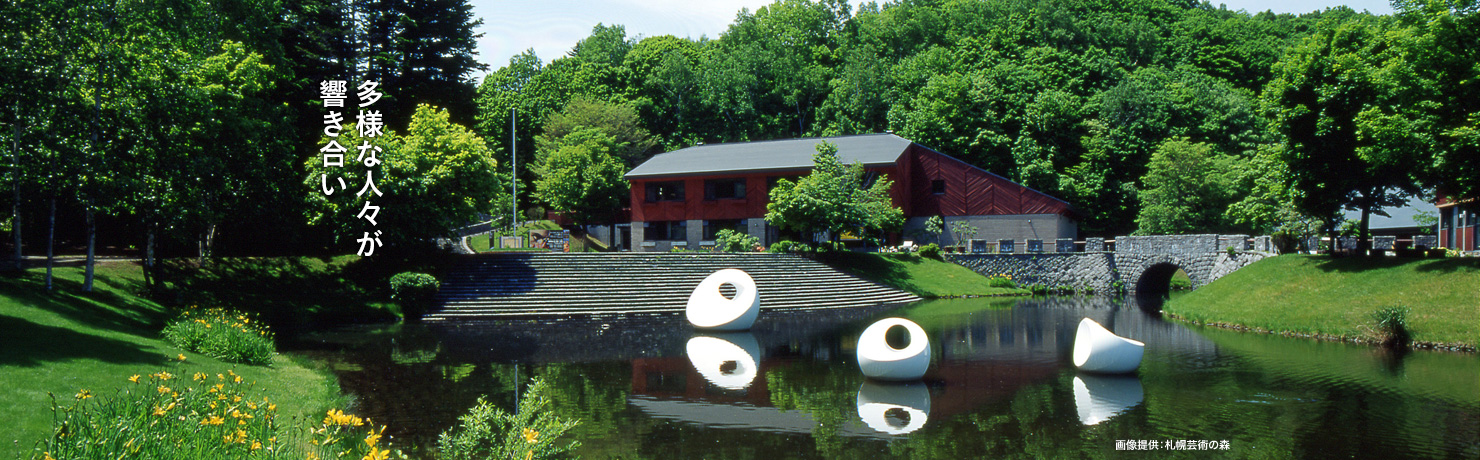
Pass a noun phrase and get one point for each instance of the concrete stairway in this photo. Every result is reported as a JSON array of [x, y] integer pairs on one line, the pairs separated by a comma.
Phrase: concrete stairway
[[529, 285]]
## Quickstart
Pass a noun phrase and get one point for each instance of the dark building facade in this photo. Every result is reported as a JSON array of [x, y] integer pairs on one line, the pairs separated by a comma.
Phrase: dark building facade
[[682, 198]]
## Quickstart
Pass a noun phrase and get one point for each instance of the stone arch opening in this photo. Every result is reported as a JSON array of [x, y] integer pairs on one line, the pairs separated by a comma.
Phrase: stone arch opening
[[1157, 279]]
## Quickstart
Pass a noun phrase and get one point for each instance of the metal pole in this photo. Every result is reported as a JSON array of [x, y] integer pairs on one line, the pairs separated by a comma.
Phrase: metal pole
[[514, 165]]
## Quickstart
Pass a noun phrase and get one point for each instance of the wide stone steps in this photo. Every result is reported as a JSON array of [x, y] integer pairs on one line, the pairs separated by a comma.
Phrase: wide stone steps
[[525, 285]]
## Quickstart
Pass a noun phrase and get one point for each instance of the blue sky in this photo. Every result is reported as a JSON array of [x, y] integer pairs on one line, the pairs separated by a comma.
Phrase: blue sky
[[552, 27]]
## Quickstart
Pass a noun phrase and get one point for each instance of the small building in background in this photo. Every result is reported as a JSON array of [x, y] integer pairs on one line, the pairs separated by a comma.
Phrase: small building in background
[[1458, 222], [683, 198]]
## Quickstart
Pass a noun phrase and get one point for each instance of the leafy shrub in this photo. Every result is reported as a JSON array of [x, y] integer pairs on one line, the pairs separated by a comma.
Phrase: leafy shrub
[[931, 250], [786, 247], [1180, 284], [221, 334], [486, 431], [208, 417], [414, 292], [1001, 280], [732, 241], [1232, 252], [1392, 325]]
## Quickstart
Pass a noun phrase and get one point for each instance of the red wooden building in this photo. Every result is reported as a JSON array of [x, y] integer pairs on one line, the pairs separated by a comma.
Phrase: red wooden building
[[682, 198], [1458, 223]]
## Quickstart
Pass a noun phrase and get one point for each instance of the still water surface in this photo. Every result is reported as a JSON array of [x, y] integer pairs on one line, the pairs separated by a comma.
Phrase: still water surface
[[1001, 385]]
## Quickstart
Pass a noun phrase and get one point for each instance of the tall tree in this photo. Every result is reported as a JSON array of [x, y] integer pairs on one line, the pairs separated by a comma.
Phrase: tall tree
[[1188, 188], [630, 142], [1441, 49], [1334, 99], [434, 177], [581, 178]]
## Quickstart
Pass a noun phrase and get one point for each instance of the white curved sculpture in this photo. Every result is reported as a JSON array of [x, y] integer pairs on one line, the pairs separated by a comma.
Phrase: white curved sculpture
[[893, 408], [1100, 397], [880, 361], [708, 309], [728, 361], [1096, 349]]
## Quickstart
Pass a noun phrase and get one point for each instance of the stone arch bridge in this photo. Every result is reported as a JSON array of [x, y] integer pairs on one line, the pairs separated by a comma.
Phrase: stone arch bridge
[[1137, 263]]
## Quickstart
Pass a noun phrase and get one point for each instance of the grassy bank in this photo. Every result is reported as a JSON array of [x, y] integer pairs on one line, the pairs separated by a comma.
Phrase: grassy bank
[[1335, 298], [922, 276], [293, 293], [64, 341]]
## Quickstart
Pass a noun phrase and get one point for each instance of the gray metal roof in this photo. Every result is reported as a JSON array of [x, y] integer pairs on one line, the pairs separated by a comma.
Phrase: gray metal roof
[[778, 155], [1401, 217]]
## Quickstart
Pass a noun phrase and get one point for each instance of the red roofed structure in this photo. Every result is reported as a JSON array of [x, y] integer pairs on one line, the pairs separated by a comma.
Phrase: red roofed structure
[[682, 198]]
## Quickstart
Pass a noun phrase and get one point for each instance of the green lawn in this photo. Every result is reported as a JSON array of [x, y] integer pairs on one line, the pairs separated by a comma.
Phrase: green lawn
[[1336, 297], [924, 277], [63, 341]]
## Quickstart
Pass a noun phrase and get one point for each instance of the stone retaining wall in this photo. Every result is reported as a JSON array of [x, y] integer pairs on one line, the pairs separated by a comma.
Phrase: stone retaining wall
[[1203, 257]]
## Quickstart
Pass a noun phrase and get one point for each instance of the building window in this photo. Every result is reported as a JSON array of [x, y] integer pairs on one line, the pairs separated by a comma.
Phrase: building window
[[712, 227], [938, 187], [665, 191], [724, 189], [667, 230]]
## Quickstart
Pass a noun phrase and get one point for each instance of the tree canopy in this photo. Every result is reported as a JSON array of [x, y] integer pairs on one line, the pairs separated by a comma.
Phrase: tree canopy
[[834, 198]]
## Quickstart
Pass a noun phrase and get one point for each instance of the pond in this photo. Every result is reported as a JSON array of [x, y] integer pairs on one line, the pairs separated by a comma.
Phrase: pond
[[1001, 384]]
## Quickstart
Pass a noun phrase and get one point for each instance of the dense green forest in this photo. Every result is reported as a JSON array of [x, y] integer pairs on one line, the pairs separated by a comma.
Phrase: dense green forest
[[192, 125]]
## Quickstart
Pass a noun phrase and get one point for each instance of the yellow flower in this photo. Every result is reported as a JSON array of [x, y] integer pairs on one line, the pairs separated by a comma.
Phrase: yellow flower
[[48, 456], [272, 407], [238, 379], [226, 439], [134, 379], [377, 454], [164, 375], [213, 420], [256, 444], [531, 436], [158, 411], [84, 394], [236, 399], [199, 376], [163, 389], [374, 437], [181, 356]]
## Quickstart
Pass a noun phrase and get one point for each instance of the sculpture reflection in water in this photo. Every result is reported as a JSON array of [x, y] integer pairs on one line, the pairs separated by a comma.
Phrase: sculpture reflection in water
[[727, 360], [878, 360], [1100, 397], [709, 309], [1096, 349], [894, 408]]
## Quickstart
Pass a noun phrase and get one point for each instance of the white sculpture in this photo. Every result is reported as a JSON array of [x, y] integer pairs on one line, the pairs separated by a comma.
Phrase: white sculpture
[[708, 309], [1100, 397], [893, 408], [880, 361], [728, 361], [1096, 349]]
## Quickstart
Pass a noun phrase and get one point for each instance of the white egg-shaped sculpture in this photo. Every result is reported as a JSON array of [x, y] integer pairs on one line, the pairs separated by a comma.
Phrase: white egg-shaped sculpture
[[893, 408], [709, 309], [1096, 349], [878, 360], [730, 360], [1100, 397]]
